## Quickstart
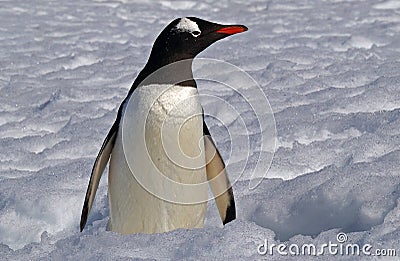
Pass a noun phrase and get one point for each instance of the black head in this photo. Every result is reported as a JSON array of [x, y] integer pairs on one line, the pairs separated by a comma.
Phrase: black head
[[182, 39], [186, 37]]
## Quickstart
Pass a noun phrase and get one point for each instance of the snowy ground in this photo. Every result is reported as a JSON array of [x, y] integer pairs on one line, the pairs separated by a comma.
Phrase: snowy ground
[[330, 69]]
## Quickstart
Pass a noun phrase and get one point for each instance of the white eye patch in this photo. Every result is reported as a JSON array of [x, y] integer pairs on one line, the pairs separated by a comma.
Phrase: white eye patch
[[187, 25]]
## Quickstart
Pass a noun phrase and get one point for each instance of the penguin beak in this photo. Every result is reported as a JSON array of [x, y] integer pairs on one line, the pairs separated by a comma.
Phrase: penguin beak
[[232, 29]]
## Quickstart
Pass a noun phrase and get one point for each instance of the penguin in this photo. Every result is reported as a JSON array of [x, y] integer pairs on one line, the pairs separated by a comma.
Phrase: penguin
[[168, 97]]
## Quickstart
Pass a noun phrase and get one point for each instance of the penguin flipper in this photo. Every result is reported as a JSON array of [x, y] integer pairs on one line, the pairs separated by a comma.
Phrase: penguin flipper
[[97, 171], [219, 181]]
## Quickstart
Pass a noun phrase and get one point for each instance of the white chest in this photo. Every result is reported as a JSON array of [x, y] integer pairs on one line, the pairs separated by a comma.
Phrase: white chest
[[158, 162]]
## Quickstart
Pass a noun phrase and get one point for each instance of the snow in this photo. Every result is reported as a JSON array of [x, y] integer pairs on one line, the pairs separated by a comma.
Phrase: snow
[[329, 68]]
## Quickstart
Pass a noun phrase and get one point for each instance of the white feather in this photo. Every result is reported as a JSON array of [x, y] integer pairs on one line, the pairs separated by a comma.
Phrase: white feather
[[187, 25], [139, 150]]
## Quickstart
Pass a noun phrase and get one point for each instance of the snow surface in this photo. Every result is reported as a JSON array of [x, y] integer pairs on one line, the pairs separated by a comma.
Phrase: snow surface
[[330, 69]]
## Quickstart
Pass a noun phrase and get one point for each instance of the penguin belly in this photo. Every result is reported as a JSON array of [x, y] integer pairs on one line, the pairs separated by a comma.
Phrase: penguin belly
[[159, 146]]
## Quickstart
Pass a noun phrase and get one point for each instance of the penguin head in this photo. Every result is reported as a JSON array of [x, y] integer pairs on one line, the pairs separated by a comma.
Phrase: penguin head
[[186, 37]]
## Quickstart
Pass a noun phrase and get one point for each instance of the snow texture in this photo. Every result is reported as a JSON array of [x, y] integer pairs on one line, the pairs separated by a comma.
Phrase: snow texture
[[330, 69]]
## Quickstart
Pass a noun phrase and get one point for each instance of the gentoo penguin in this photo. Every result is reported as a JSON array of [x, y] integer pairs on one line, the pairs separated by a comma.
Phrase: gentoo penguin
[[166, 98]]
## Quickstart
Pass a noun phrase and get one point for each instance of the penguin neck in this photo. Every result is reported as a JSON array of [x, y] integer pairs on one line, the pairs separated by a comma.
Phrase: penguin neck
[[176, 70]]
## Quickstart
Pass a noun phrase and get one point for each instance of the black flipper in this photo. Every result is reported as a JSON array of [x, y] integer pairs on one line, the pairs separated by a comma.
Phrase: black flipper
[[220, 185], [97, 171]]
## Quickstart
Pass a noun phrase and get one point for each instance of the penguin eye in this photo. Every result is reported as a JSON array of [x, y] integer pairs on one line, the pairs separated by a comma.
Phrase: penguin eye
[[196, 33]]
